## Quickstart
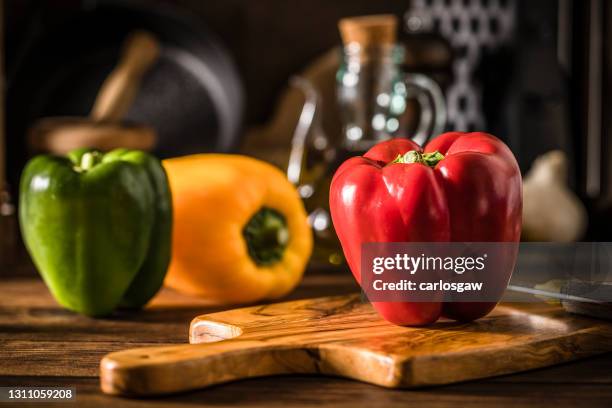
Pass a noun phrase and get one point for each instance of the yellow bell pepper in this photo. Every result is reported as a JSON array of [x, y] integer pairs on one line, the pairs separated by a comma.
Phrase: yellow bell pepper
[[240, 231]]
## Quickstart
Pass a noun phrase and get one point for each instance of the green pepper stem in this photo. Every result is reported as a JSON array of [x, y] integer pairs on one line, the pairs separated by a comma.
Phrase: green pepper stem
[[413, 156], [267, 236], [89, 160]]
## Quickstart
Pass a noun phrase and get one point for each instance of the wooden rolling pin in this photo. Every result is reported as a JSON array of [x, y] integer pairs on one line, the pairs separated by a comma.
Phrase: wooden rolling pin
[[104, 128]]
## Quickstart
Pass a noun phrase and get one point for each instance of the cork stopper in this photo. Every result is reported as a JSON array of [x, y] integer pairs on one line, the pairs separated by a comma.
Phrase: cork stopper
[[369, 31]]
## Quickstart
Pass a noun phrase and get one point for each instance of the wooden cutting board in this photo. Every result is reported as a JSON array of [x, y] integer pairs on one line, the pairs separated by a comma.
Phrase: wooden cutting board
[[343, 336]]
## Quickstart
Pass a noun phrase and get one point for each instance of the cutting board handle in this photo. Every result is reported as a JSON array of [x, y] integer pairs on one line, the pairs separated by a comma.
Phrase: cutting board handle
[[118, 91], [169, 369]]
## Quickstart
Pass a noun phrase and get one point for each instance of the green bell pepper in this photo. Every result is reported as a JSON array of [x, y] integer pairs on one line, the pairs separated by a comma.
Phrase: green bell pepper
[[98, 227]]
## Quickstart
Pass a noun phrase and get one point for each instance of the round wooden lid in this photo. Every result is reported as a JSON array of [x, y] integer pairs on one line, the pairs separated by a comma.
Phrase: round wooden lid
[[62, 134], [369, 30]]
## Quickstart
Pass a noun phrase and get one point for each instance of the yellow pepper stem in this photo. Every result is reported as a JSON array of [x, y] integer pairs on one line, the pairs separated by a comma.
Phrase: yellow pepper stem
[[267, 236]]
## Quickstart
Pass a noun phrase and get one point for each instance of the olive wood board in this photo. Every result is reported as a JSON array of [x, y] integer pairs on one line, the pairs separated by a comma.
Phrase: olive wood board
[[343, 336]]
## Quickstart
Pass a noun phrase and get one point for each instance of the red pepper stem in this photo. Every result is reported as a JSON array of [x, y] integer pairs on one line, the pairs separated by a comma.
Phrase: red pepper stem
[[413, 156]]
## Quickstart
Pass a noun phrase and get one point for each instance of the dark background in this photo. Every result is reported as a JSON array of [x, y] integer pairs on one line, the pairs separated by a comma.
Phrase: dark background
[[549, 86], [269, 40]]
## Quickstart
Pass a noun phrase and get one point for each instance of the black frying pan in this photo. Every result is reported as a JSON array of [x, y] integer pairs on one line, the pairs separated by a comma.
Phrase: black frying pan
[[192, 97]]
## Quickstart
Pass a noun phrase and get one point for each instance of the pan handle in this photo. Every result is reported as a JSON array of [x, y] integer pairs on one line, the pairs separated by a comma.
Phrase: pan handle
[[118, 91]]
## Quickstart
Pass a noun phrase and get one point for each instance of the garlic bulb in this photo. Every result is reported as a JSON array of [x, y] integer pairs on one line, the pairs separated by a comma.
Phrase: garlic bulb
[[551, 211]]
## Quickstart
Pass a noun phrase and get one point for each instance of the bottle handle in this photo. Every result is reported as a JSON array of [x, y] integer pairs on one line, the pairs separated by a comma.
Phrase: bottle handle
[[433, 106], [303, 127]]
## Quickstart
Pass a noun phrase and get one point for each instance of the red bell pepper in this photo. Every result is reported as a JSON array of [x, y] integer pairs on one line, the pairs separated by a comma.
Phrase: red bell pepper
[[463, 187]]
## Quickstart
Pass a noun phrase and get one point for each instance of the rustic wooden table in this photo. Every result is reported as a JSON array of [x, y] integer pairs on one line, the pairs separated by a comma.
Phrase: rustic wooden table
[[43, 345]]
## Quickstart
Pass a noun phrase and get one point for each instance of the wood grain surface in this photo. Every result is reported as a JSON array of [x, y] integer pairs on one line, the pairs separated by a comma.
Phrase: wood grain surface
[[343, 336], [43, 345]]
